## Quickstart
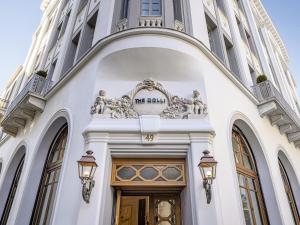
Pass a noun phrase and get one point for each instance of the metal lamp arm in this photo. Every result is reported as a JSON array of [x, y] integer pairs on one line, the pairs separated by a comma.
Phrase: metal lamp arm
[[207, 187], [87, 187]]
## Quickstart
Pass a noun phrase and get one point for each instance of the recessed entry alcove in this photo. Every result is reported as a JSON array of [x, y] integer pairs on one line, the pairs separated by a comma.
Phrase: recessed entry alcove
[[156, 188]]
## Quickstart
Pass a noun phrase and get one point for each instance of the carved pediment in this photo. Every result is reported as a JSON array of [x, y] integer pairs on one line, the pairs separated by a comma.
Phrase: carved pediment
[[149, 98]]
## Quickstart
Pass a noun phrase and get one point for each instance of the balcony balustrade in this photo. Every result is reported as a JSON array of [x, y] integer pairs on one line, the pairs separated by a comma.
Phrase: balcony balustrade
[[281, 114], [147, 21], [25, 105], [3, 106]]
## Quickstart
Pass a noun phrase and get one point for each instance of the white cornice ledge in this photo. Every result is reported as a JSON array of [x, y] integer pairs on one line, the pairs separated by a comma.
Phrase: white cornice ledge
[[269, 24], [44, 4], [134, 126]]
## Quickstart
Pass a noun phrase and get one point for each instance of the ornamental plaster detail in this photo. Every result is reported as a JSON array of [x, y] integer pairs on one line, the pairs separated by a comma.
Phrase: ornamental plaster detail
[[169, 106]]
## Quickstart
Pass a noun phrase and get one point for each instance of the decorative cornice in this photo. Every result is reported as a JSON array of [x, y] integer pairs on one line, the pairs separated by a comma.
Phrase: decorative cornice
[[154, 31], [267, 21], [44, 4]]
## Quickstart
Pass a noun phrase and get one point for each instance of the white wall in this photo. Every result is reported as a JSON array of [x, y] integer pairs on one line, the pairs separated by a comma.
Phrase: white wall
[[182, 67]]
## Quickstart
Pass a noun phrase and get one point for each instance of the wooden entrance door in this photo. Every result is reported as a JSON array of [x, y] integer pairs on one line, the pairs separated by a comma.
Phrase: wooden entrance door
[[134, 210], [155, 209]]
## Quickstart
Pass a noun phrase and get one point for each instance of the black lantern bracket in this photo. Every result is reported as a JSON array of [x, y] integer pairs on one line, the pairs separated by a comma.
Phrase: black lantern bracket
[[207, 187], [87, 187]]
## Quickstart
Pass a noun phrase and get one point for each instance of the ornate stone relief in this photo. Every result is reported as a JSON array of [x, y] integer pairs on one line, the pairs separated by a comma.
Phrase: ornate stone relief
[[149, 98]]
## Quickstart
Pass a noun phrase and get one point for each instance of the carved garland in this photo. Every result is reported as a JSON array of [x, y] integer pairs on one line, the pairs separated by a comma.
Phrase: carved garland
[[178, 107]]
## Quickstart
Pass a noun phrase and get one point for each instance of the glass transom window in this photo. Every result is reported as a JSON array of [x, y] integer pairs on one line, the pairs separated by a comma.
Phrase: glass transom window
[[134, 172]]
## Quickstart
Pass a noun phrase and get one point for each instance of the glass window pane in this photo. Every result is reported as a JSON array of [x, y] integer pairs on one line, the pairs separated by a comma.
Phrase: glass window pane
[[126, 173], [251, 184], [51, 177], [171, 173], [44, 207], [241, 180], [164, 209], [149, 173], [246, 206], [145, 7], [256, 208], [50, 207], [247, 161]]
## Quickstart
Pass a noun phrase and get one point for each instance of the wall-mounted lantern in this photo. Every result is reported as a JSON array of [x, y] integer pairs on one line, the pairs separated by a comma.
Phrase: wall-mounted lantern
[[208, 167], [86, 168]]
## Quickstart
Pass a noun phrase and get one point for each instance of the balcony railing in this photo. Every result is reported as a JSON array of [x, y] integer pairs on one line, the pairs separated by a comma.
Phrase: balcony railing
[[273, 105], [25, 105], [146, 21], [3, 104], [35, 86]]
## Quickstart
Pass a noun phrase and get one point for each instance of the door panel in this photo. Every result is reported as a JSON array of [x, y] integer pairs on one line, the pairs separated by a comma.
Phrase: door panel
[[166, 210], [134, 210], [149, 210]]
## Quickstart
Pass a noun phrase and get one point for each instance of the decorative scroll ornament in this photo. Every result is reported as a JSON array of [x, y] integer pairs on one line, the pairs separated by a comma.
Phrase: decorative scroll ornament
[[149, 98]]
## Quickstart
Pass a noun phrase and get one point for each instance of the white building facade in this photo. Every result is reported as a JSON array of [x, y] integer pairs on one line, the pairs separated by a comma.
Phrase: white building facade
[[148, 85]]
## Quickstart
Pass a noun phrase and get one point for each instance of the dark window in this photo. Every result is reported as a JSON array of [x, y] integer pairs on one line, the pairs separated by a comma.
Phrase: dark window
[[231, 57], [49, 181], [250, 190], [289, 193], [124, 10], [177, 10], [214, 38], [12, 192], [88, 35]]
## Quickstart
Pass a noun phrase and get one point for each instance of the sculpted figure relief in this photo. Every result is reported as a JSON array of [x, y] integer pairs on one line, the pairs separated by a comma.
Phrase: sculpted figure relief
[[198, 106], [178, 108], [115, 108]]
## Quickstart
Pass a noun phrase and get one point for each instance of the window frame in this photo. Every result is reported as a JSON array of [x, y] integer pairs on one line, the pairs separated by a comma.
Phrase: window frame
[[289, 193], [49, 167], [12, 191], [250, 174]]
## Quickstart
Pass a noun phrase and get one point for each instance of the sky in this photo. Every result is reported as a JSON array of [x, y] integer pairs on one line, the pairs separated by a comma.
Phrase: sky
[[19, 19]]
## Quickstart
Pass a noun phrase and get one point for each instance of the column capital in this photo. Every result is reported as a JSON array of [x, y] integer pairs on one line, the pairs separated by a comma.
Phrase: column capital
[[95, 137], [206, 137]]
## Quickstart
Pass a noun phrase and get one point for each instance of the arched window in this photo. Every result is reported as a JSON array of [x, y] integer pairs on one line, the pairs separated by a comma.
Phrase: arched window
[[289, 193], [250, 190], [151, 7], [12, 192], [47, 190]]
